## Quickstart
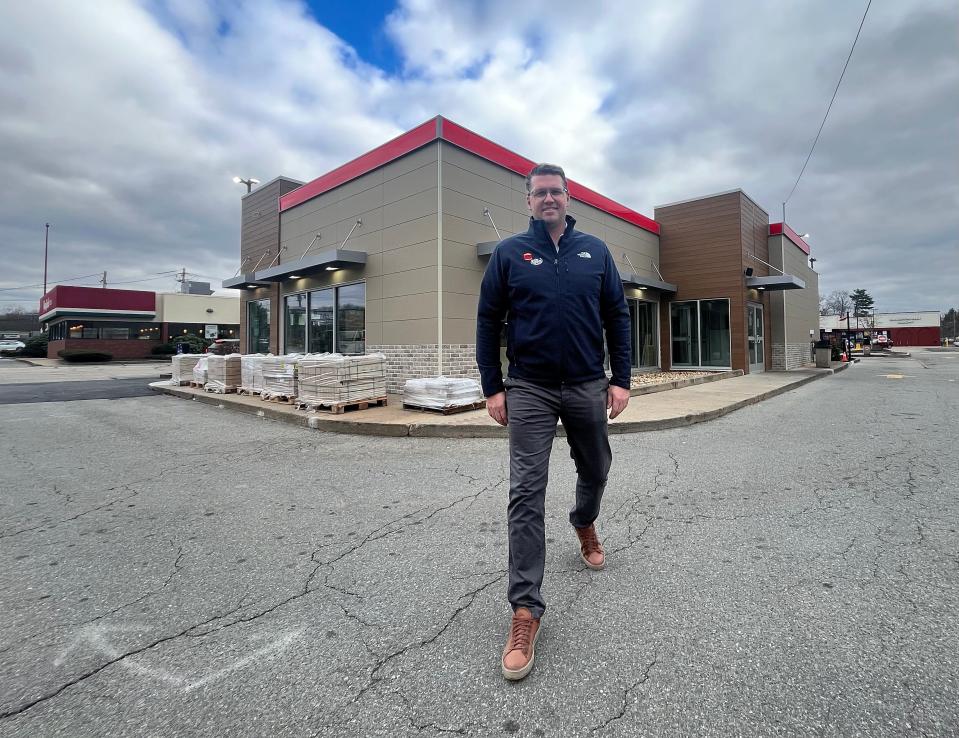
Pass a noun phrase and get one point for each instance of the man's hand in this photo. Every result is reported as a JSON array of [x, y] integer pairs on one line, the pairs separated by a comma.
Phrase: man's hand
[[617, 399], [496, 407]]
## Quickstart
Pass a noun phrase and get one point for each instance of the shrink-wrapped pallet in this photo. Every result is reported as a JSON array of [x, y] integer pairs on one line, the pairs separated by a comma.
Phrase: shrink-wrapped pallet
[[442, 392], [335, 379], [183, 368], [200, 370], [251, 372], [223, 373], [280, 375]]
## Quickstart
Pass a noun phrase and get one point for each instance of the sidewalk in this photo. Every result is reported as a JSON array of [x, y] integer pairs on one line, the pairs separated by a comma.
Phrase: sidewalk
[[27, 371], [648, 411]]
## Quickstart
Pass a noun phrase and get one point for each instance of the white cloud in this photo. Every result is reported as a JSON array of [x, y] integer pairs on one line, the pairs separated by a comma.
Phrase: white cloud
[[122, 123]]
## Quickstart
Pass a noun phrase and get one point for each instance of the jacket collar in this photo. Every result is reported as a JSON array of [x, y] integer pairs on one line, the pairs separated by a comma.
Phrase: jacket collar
[[537, 228]]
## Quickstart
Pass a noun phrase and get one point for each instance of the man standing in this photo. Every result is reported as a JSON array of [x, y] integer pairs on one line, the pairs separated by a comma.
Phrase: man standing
[[558, 290]]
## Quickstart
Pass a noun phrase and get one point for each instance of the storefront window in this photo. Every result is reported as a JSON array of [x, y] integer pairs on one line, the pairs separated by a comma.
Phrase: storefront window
[[114, 333], [322, 313], [700, 333], [643, 317], [351, 319], [295, 339], [258, 322], [714, 333], [337, 320]]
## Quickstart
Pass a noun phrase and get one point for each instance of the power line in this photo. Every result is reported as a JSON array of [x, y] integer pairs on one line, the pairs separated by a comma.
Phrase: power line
[[51, 281], [808, 156]]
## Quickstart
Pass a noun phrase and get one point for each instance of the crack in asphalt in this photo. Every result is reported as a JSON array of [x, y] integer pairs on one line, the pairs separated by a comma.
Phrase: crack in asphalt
[[471, 596], [47, 525], [110, 662], [621, 713]]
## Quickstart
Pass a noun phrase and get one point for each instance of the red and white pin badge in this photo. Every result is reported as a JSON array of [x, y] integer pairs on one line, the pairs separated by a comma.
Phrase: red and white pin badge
[[527, 256]]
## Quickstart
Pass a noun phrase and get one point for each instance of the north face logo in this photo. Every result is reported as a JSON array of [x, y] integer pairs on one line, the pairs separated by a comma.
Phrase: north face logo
[[584, 255]]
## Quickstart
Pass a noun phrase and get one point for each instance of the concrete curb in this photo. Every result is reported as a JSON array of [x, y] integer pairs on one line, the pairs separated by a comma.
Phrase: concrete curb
[[677, 383], [437, 430]]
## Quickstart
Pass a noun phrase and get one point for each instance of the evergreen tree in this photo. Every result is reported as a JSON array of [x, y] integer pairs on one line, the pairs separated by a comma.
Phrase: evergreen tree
[[861, 301]]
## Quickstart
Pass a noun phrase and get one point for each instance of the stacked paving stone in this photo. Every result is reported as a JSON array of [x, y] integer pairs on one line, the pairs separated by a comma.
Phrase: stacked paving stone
[[223, 373], [334, 379], [199, 371], [439, 393], [183, 365], [280, 375], [251, 372]]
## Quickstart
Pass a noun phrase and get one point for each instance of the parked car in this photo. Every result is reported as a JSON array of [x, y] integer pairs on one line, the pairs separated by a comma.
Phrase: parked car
[[9, 346], [224, 346]]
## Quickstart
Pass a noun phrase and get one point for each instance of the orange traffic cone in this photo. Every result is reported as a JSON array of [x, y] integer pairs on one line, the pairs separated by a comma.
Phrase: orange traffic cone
[[843, 357]]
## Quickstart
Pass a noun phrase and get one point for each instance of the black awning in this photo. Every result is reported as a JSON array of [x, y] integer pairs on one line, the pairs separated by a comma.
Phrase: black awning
[[776, 282], [243, 281], [324, 260], [646, 283], [486, 248]]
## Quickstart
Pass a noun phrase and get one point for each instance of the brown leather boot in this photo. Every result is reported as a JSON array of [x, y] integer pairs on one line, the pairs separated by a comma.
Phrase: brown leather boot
[[590, 549], [520, 648]]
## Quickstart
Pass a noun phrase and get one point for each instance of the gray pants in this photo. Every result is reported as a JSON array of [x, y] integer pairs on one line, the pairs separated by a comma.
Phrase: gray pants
[[532, 413]]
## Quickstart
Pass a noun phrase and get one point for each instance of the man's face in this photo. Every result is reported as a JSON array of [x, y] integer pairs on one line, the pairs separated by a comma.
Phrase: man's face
[[548, 199]]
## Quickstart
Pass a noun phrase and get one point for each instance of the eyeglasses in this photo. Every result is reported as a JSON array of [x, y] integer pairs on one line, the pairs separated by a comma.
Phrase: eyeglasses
[[555, 192]]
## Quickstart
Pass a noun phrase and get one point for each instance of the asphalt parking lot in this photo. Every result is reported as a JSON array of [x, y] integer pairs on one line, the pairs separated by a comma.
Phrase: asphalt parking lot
[[789, 569]]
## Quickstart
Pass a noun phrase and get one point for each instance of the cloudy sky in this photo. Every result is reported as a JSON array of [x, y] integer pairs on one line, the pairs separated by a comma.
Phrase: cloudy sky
[[123, 122]]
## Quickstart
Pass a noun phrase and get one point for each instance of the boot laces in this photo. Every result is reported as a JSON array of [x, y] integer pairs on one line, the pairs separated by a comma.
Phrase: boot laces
[[521, 633]]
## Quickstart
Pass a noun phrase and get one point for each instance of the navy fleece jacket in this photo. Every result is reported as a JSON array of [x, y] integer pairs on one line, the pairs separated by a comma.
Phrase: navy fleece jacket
[[557, 305]]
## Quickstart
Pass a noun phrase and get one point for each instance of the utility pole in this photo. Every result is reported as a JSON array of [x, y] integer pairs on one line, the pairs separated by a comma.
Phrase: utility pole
[[46, 243], [103, 281], [782, 246]]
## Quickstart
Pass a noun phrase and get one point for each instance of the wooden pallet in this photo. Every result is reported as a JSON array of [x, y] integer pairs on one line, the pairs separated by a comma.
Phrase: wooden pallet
[[338, 408], [282, 399], [196, 385], [224, 391], [480, 404], [247, 391]]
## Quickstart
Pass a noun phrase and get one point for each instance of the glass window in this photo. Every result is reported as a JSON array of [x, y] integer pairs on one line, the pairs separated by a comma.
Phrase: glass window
[[700, 333], [81, 330], [322, 313], [108, 332], [685, 339], [295, 337], [714, 332], [351, 319], [644, 335]]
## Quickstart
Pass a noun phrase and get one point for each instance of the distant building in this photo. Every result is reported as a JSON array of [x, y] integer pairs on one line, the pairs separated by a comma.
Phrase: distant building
[[19, 325], [903, 329], [129, 323]]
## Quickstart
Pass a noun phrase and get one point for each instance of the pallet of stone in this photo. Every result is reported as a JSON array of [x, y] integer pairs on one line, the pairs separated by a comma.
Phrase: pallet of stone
[[248, 391], [183, 365], [449, 410], [251, 371], [280, 375], [334, 379], [338, 408], [200, 377], [446, 395], [197, 385], [223, 373]]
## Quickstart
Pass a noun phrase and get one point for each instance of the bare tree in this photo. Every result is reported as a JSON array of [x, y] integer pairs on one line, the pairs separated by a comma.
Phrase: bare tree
[[837, 302]]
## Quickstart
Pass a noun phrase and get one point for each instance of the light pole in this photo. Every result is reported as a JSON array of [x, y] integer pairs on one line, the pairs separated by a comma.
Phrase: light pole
[[248, 182], [46, 244]]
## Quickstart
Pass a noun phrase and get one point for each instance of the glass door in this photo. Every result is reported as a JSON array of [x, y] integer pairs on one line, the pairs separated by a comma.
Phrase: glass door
[[756, 346]]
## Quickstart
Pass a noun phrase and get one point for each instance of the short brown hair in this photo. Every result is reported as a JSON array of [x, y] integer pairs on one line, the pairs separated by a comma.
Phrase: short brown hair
[[546, 169]]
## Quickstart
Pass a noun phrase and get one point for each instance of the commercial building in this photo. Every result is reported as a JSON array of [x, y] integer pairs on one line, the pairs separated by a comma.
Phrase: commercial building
[[901, 329], [129, 323], [387, 252]]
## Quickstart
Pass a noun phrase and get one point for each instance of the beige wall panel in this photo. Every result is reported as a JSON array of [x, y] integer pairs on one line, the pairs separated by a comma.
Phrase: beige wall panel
[[374, 311], [372, 218], [416, 256], [517, 201], [410, 233], [374, 265], [409, 331], [462, 255], [410, 307], [322, 280], [456, 330], [417, 180], [459, 306], [470, 208], [177, 308], [414, 160], [463, 281], [520, 222], [476, 186], [588, 225], [410, 208], [472, 163], [410, 282], [462, 230], [353, 188], [374, 288], [369, 241], [374, 333]]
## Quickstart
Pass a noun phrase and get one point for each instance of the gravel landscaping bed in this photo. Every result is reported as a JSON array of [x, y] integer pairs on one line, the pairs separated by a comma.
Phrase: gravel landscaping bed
[[644, 380]]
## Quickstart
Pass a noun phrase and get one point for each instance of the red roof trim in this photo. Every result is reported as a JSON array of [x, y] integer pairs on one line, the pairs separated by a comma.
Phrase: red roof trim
[[394, 149], [447, 130], [776, 229]]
